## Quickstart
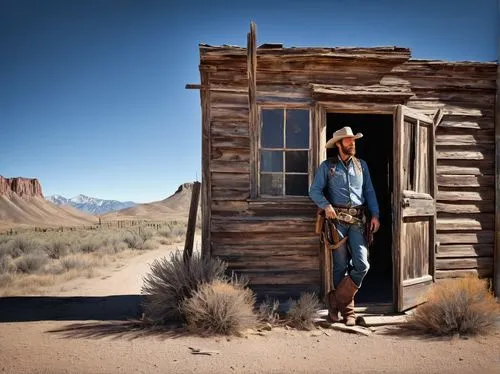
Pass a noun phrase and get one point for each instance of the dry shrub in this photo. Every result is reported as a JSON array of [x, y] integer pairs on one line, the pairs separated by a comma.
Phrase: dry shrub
[[462, 305], [268, 311], [23, 244], [75, 262], [56, 248], [220, 307], [6, 264], [89, 245], [302, 312], [31, 262], [173, 280]]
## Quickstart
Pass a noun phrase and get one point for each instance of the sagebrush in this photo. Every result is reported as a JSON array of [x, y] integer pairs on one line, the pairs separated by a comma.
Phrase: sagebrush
[[220, 307], [302, 312], [171, 281], [462, 306]]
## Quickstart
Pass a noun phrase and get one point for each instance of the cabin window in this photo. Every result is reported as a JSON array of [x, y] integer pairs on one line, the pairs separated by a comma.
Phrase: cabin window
[[284, 151]]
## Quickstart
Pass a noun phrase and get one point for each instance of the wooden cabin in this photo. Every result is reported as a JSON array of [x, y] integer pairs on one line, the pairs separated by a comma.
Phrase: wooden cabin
[[431, 139]]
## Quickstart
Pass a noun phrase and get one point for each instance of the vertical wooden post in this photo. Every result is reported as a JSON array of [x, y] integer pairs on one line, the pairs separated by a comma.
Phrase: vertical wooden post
[[206, 187], [191, 228], [496, 252], [253, 126]]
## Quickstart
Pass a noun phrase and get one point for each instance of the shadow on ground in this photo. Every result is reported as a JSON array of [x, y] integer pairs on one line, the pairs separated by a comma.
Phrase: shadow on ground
[[116, 316], [73, 308], [119, 330]]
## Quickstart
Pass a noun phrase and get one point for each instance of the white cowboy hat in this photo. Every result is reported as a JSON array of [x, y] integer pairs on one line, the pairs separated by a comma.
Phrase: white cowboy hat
[[344, 132]]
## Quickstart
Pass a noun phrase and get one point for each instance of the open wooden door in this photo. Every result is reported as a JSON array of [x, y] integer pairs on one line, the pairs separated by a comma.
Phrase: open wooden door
[[414, 206]]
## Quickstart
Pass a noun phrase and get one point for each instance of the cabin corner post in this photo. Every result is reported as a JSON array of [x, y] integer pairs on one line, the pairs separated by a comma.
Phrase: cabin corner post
[[206, 144], [496, 252], [252, 107]]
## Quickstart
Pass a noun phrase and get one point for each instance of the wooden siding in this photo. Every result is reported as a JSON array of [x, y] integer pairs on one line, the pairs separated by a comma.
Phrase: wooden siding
[[273, 243]]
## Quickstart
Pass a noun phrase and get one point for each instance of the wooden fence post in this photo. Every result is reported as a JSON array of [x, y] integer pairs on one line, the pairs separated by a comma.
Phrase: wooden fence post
[[191, 227]]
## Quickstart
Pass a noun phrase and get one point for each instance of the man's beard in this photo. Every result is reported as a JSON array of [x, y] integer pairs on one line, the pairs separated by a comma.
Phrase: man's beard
[[351, 150]]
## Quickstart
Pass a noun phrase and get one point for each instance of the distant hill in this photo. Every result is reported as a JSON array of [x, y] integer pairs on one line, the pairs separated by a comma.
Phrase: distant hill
[[175, 206], [22, 204], [91, 205]]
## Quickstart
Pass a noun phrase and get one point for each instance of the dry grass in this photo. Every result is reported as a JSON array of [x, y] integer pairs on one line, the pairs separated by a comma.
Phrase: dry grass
[[462, 306], [173, 280], [268, 311], [302, 312], [36, 259], [220, 307]]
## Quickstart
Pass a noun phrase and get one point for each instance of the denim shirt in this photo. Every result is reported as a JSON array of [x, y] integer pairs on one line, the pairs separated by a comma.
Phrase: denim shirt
[[347, 188]]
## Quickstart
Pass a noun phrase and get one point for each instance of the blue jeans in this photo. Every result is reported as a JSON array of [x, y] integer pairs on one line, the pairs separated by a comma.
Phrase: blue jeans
[[354, 257]]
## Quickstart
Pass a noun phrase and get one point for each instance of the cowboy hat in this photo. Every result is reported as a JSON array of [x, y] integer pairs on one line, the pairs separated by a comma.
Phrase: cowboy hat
[[344, 132]]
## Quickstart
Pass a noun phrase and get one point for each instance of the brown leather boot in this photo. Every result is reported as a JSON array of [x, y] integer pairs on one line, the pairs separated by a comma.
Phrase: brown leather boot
[[349, 315], [345, 300], [331, 303]]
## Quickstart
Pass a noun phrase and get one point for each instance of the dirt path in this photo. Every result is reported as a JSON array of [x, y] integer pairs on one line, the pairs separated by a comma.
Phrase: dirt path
[[72, 329]]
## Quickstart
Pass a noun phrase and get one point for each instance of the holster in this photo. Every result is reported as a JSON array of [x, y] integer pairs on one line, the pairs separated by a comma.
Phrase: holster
[[327, 230]]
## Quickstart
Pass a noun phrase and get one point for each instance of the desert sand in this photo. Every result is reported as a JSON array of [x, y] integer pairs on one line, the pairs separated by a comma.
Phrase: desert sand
[[80, 327]]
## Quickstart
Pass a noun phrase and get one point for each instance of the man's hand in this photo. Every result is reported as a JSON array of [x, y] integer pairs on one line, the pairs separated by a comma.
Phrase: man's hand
[[330, 212], [374, 224]]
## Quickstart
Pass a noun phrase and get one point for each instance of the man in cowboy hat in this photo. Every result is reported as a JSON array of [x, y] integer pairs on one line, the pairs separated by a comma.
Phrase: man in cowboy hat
[[343, 188]]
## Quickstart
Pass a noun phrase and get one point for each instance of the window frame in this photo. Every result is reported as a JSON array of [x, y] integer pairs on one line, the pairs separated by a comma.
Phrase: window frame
[[310, 150]]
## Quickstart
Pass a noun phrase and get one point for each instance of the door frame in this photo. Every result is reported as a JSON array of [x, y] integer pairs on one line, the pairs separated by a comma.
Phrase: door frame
[[319, 155], [321, 109]]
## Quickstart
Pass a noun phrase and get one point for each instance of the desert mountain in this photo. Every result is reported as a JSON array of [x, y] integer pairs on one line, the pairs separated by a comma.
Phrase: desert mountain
[[91, 205], [175, 206], [22, 204]]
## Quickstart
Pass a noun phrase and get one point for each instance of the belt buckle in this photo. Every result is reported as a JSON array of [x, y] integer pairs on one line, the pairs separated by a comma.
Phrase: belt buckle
[[346, 217], [352, 211]]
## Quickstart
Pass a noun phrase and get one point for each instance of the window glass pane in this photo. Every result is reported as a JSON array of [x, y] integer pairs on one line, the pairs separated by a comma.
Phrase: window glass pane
[[271, 184], [297, 185], [297, 128], [272, 128], [271, 161], [296, 161]]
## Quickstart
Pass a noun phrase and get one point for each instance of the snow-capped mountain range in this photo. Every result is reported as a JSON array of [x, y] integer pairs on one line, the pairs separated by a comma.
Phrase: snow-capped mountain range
[[91, 205]]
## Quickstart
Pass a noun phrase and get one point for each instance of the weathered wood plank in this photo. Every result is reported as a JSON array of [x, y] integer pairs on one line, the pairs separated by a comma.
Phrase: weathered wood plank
[[496, 256], [299, 262], [466, 140], [418, 207], [481, 273], [465, 250], [271, 277], [230, 154], [475, 207], [480, 237], [230, 129], [229, 114], [222, 166], [465, 167], [278, 249], [247, 227], [231, 142], [253, 126], [464, 263], [479, 195], [487, 181], [415, 294], [462, 155], [233, 238], [466, 123], [236, 207], [481, 222], [206, 196], [230, 194], [239, 99], [230, 181]]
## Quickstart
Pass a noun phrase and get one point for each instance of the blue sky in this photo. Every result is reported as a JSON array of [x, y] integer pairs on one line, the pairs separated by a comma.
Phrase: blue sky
[[92, 96]]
